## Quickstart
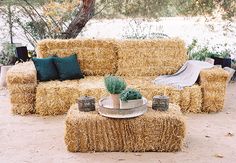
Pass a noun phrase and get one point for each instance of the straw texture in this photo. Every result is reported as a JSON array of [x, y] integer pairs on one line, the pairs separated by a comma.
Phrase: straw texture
[[150, 57], [21, 83], [138, 61], [154, 131], [56, 97], [190, 98], [96, 57], [213, 82]]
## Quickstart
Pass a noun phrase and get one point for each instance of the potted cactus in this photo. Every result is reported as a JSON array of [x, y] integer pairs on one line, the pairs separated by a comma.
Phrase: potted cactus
[[115, 85], [130, 98]]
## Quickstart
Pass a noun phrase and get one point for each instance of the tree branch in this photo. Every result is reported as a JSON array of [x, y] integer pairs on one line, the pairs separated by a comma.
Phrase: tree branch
[[86, 12]]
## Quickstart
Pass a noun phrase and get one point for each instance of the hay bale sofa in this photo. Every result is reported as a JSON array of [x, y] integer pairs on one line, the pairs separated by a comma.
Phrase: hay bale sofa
[[138, 61]]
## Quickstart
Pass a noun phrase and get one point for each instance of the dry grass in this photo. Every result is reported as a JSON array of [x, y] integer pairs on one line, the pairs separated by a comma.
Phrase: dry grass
[[138, 61], [154, 131], [96, 57], [213, 83], [150, 57], [21, 83]]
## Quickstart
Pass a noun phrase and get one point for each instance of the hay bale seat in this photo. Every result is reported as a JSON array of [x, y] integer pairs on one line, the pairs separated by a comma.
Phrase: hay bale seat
[[153, 131], [138, 61]]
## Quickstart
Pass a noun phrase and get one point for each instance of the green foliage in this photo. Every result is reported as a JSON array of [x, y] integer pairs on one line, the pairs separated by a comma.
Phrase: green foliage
[[196, 52], [114, 84], [130, 94], [158, 8], [7, 55]]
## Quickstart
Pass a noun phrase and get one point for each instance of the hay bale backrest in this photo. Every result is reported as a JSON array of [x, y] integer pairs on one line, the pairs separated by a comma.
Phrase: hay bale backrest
[[96, 57], [150, 57]]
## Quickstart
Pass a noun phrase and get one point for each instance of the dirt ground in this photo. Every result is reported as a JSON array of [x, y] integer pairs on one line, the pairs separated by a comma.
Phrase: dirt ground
[[210, 138]]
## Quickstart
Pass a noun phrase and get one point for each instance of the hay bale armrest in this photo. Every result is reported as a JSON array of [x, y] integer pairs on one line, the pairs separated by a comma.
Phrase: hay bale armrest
[[21, 83], [153, 131], [213, 83]]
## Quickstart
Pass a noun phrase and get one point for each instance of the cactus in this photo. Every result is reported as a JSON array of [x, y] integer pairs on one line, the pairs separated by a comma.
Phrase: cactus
[[130, 94], [114, 84]]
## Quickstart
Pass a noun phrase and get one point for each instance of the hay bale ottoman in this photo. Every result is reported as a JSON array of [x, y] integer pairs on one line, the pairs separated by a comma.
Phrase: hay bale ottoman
[[153, 131]]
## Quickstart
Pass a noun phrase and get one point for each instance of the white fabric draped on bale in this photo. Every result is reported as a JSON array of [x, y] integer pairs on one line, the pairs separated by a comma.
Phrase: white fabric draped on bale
[[186, 76]]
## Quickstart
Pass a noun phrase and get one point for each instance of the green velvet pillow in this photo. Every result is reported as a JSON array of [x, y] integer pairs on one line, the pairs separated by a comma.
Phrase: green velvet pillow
[[68, 68], [46, 69]]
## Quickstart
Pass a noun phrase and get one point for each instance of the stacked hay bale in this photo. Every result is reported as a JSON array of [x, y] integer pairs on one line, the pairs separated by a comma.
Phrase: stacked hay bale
[[21, 83], [213, 83]]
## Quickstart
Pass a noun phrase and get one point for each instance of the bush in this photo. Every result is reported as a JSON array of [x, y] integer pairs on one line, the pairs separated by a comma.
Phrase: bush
[[114, 84], [130, 94]]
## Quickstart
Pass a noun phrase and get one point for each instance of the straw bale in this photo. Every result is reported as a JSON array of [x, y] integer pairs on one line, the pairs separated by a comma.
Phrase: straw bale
[[21, 83], [150, 57], [154, 131], [23, 109], [191, 99], [213, 82], [22, 73], [96, 57], [56, 97]]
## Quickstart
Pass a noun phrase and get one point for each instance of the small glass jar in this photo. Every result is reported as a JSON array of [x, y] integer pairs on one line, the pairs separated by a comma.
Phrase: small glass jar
[[160, 103], [86, 103]]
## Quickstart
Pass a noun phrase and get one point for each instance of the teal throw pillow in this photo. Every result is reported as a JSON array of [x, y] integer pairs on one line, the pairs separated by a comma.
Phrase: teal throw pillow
[[46, 69], [68, 67]]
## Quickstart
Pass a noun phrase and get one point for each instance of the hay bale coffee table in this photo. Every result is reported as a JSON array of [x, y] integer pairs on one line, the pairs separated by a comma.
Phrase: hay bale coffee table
[[153, 131]]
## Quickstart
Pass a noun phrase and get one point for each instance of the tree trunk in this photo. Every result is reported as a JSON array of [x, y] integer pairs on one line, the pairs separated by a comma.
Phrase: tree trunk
[[10, 22], [85, 13]]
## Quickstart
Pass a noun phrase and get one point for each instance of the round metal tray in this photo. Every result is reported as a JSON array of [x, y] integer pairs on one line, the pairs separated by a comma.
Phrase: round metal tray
[[105, 109]]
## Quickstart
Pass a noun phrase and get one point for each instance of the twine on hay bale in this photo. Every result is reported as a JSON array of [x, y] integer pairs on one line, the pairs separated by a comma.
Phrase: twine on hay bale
[[154, 131], [150, 57], [21, 83], [96, 57], [213, 83]]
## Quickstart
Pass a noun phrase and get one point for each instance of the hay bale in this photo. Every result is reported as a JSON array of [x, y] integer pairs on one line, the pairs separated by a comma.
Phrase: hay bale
[[21, 83], [22, 73], [154, 131], [150, 57], [56, 97], [213, 82], [96, 57], [190, 98]]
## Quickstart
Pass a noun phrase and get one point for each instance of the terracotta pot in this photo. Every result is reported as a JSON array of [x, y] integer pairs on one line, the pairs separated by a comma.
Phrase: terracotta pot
[[115, 100], [4, 70]]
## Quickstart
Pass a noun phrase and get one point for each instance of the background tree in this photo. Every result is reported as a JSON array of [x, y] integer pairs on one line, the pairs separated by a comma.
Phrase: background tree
[[42, 19]]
